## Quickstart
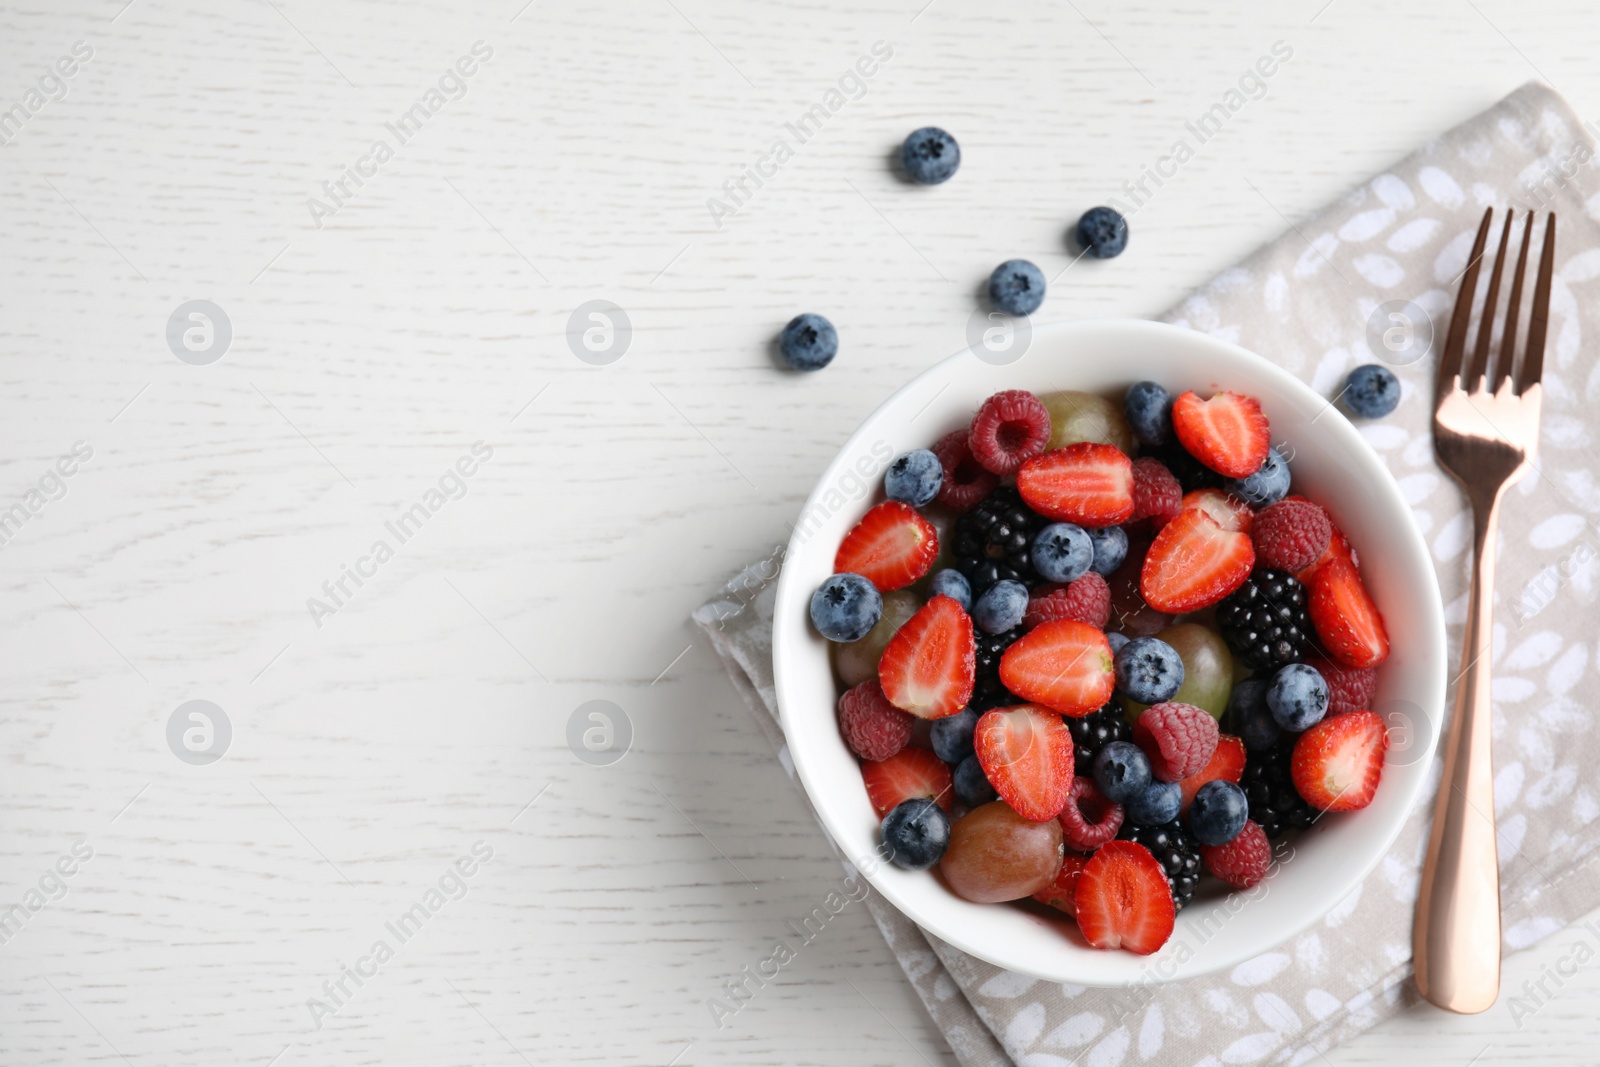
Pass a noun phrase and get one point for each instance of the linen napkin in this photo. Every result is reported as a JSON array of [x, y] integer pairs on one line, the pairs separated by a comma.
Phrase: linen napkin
[[1342, 289]]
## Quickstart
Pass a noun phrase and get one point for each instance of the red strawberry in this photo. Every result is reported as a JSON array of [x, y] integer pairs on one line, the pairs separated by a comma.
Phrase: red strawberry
[[1227, 433], [965, 480], [1227, 763], [1345, 618], [1337, 763], [1088, 820], [1086, 598], [1291, 535], [891, 547], [1087, 483], [1194, 562], [1349, 688], [1179, 739], [872, 727], [1242, 862], [1231, 513], [1157, 496], [907, 775], [929, 665], [1124, 900], [1026, 752], [1012, 426], [1064, 665], [1059, 893]]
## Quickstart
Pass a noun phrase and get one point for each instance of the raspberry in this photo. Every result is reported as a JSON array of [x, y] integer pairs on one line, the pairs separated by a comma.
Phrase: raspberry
[[1243, 861], [873, 728], [1010, 428], [1349, 688], [965, 481], [1179, 739], [1085, 804], [1087, 599], [1291, 535], [1157, 496]]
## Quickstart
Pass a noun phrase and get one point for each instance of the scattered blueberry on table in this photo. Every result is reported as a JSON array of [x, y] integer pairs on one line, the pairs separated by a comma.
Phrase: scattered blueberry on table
[[1102, 232], [1016, 287], [1372, 391], [809, 342], [930, 155]]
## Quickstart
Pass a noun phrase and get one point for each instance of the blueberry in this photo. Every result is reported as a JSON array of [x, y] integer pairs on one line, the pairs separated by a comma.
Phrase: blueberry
[[1266, 486], [972, 785], [1001, 606], [809, 342], [1117, 642], [918, 832], [914, 478], [930, 155], [953, 584], [1371, 391], [1218, 813], [1157, 804], [1248, 716], [1102, 232], [1297, 697], [1016, 287], [1149, 670], [1062, 552], [1148, 408], [1110, 549], [1121, 771], [952, 735], [845, 607]]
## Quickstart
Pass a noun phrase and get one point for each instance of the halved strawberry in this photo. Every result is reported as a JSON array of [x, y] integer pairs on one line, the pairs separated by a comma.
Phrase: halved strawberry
[[1026, 752], [1227, 763], [1088, 483], [891, 547], [1228, 433], [1064, 665], [929, 665], [1124, 900], [1337, 763], [1194, 562], [1345, 618], [1059, 894], [907, 775], [1231, 513]]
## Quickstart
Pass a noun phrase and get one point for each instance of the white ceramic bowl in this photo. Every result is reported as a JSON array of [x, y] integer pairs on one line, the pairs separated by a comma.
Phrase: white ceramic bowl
[[1331, 464]]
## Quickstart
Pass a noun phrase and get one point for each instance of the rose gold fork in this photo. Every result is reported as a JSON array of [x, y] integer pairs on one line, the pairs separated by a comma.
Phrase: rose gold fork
[[1485, 433]]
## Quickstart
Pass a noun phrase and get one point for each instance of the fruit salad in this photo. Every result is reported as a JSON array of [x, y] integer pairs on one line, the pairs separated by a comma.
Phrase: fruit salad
[[1091, 653]]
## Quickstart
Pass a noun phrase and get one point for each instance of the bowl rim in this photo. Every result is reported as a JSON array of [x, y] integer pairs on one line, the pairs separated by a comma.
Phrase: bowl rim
[[789, 615]]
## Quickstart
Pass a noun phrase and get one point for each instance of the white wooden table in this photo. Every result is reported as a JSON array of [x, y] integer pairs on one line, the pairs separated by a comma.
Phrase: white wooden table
[[422, 713]]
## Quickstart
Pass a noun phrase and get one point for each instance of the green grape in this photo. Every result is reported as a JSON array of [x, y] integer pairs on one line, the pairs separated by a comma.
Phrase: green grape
[[1207, 666], [857, 661], [1086, 417], [995, 854]]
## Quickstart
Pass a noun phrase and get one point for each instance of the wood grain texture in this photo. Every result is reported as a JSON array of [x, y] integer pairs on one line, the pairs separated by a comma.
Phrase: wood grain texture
[[429, 313]]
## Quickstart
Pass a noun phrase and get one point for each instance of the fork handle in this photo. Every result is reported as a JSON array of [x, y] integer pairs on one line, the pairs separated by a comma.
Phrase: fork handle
[[1456, 939]]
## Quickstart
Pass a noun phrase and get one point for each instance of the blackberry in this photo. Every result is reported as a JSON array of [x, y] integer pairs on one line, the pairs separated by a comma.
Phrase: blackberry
[[1095, 731], [987, 690], [1275, 805], [1265, 621], [1190, 472], [992, 541], [1175, 848]]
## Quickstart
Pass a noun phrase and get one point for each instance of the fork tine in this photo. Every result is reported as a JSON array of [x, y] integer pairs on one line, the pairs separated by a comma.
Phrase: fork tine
[[1456, 342], [1508, 338], [1479, 366], [1539, 314]]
